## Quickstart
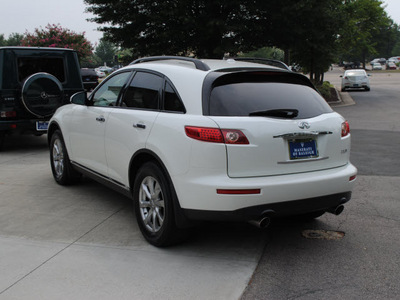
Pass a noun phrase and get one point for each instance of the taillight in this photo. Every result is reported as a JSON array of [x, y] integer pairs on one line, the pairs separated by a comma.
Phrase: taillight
[[8, 114], [216, 135], [345, 129], [233, 136]]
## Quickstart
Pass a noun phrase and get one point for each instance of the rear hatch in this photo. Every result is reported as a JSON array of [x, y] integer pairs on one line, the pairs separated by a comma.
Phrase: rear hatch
[[290, 127]]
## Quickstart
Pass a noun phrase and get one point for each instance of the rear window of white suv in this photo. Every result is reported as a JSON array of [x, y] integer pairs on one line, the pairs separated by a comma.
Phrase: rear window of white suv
[[259, 94]]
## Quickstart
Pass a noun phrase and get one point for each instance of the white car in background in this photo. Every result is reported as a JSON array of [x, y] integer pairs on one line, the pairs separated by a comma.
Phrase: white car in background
[[376, 66], [191, 139], [355, 79], [100, 73]]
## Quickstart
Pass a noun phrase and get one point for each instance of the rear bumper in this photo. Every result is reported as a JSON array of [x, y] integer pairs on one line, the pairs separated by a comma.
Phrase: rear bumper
[[281, 209], [285, 194], [22, 126]]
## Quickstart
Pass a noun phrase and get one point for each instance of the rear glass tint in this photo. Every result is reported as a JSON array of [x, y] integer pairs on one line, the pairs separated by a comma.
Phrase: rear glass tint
[[243, 97], [31, 65]]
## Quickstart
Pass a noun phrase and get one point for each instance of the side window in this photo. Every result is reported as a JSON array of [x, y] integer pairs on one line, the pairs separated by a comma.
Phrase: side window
[[143, 92], [107, 94], [171, 100]]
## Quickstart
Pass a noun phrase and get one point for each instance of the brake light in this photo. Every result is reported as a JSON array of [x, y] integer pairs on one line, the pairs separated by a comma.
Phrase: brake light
[[345, 129], [352, 177], [8, 114], [216, 135]]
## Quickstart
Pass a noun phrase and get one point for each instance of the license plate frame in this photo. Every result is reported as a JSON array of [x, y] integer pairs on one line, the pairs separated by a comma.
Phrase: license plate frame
[[42, 125], [303, 149]]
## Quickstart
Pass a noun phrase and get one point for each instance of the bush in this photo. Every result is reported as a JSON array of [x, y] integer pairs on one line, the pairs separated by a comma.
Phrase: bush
[[328, 91]]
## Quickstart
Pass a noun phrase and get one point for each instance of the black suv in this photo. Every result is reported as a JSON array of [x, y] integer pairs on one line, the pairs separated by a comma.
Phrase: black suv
[[34, 82], [90, 79]]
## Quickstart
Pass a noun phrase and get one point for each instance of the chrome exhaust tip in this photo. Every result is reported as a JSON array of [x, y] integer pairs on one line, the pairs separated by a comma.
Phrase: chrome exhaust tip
[[261, 223], [336, 210]]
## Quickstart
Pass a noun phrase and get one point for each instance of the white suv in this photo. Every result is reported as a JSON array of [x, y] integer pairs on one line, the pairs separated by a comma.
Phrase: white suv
[[193, 139]]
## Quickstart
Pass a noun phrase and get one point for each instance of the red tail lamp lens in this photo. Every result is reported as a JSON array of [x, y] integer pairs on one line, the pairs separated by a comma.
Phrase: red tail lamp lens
[[213, 135], [216, 135], [233, 136], [345, 128]]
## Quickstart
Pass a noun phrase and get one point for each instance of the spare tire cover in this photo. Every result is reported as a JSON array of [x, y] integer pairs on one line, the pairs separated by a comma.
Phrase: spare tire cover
[[42, 94]]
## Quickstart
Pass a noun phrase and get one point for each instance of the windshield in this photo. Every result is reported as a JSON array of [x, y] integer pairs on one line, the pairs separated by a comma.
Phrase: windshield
[[356, 73]]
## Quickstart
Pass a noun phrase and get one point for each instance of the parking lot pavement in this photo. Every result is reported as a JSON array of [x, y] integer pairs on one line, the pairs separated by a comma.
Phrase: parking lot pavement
[[82, 242]]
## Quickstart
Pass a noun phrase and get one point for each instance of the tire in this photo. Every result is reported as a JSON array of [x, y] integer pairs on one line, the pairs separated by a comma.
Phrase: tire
[[2, 138], [42, 94], [367, 89], [153, 205], [61, 167]]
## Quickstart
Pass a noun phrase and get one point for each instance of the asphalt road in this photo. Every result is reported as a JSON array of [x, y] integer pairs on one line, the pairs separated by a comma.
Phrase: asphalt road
[[365, 262]]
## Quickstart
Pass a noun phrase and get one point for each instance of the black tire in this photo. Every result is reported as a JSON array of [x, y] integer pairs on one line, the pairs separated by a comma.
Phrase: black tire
[[61, 167], [155, 214], [42, 94], [367, 89], [2, 138]]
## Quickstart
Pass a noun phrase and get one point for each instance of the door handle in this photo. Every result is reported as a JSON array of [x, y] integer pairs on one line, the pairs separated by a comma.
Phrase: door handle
[[100, 119], [139, 125]]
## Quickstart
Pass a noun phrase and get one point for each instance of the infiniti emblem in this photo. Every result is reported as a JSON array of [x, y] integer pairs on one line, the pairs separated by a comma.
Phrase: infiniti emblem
[[304, 125]]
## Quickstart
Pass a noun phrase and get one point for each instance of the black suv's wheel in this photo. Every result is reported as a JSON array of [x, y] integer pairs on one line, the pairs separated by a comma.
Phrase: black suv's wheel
[[61, 167], [42, 94], [153, 202]]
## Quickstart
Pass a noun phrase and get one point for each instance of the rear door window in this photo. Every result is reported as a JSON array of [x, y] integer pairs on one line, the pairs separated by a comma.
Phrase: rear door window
[[144, 91]]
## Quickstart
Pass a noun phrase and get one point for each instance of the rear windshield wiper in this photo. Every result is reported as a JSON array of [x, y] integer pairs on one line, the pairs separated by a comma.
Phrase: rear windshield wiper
[[278, 113]]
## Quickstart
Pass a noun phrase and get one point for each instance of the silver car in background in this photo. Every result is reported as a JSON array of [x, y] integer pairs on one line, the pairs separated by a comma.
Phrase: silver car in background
[[355, 79]]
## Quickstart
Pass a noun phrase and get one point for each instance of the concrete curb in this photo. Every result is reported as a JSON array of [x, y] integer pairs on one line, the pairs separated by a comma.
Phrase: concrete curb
[[344, 99]]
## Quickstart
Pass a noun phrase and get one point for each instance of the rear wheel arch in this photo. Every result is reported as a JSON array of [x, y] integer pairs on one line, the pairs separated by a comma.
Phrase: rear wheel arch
[[52, 128], [137, 161]]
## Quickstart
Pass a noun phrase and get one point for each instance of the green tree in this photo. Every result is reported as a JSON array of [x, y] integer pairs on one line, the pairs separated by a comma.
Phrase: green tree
[[56, 36], [15, 39], [106, 52], [396, 49], [205, 28], [2, 40], [307, 31], [266, 52], [365, 19]]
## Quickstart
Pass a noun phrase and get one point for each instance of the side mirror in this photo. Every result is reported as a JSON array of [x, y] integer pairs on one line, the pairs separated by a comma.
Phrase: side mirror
[[79, 98]]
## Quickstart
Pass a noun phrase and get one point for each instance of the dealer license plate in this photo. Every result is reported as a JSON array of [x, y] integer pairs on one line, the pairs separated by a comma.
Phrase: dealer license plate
[[42, 125], [300, 149]]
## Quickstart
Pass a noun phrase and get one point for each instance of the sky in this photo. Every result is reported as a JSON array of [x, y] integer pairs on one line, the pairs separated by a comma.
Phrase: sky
[[25, 15]]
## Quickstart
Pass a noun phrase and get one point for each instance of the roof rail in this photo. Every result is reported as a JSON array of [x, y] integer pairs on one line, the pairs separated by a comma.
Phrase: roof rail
[[198, 63], [266, 61]]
